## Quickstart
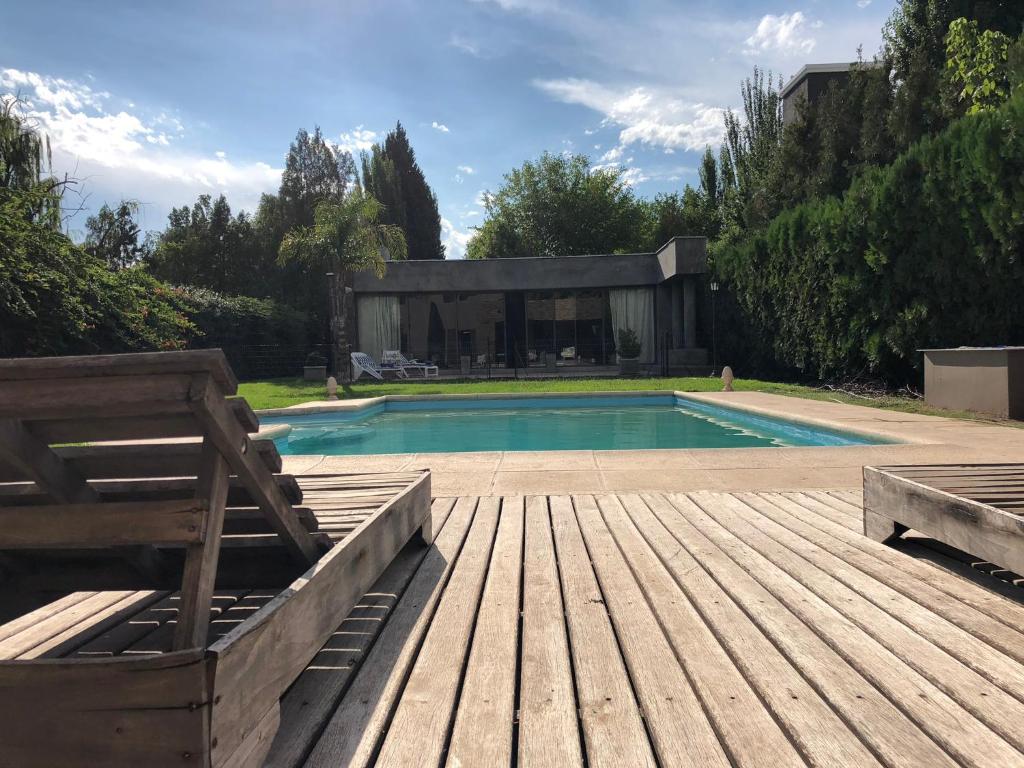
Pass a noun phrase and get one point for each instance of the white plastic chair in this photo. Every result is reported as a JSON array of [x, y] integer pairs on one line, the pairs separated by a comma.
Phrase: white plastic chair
[[394, 357], [363, 363]]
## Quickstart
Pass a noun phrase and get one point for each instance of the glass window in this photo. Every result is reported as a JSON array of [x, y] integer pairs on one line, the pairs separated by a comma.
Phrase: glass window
[[540, 326]]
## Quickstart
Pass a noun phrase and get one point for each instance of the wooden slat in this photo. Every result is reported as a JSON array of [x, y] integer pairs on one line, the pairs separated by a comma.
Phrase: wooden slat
[[548, 727], [143, 426], [482, 734], [236, 448], [310, 702], [34, 460], [957, 729], [352, 736], [144, 364], [749, 733], [201, 556], [983, 680], [134, 711], [612, 727], [145, 460], [892, 735], [816, 717], [421, 721], [106, 397], [283, 637], [679, 729], [982, 530], [176, 521], [114, 640], [42, 613], [995, 620]]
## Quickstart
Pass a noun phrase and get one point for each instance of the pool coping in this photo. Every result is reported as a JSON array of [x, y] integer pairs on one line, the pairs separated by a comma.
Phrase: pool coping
[[889, 437]]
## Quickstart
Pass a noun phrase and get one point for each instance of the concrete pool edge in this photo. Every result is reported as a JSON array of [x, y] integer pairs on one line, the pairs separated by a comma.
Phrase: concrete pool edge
[[711, 398]]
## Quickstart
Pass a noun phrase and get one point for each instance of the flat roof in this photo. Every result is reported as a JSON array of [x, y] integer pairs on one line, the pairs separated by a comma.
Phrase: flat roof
[[816, 69], [679, 256]]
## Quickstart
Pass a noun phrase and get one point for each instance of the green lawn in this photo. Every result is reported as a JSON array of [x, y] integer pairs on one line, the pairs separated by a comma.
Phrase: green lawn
[[280, 393]]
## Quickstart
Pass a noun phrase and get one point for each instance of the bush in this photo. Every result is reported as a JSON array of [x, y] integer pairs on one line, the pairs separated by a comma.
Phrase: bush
[[260, 337], [924, 252], [629, 346], [56, 299]]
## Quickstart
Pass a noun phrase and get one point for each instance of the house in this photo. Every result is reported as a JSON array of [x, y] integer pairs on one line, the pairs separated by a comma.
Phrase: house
[[810, 83], [539, 312]]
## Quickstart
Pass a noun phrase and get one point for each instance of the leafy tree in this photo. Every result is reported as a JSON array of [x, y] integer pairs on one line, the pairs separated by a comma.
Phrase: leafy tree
[[112, 235], [208, 247], [314, 172], [560, 206], [978, 63], [346, 236], [392, 176], [752, 141], [25, 160]]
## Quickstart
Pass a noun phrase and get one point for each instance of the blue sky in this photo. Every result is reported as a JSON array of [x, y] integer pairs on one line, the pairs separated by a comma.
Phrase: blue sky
[[161, 102]]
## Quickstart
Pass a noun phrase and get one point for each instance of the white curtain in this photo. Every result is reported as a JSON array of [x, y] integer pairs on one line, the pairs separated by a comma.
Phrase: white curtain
[[633, 308], [378, 319]]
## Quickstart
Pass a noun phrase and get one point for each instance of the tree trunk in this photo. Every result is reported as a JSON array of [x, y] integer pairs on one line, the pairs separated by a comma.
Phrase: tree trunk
[[340, 309]]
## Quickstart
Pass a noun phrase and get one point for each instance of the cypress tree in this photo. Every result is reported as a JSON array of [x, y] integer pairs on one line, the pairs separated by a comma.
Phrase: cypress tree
[[392, 175]]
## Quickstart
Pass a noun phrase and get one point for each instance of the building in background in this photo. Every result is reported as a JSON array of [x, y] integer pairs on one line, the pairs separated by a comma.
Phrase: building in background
[[560, 313]]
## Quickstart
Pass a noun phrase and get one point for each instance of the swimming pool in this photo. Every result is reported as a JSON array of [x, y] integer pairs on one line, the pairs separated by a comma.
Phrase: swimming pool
[[442, 425]]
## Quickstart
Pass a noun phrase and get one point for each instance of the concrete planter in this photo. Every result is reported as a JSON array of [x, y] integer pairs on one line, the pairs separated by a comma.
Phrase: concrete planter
[[629, 366], [314, 372]]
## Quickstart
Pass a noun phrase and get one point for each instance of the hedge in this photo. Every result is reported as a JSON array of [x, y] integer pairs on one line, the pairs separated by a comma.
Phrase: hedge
[[924, 252]]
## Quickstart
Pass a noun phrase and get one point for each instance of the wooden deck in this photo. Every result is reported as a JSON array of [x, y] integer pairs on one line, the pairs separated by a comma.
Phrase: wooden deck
[[701, 629], [705, 629]]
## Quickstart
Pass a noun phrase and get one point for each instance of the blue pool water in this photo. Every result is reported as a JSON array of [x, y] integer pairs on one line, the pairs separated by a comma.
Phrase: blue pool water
[[545, 424]]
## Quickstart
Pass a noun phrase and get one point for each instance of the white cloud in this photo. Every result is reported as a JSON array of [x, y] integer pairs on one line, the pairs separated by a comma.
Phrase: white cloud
[[464, 44], [359, 139], [863, 3], [648, 116], [439, 127], [468, 170], [634, 176], [454, 240], [130, 154], [788, 33]]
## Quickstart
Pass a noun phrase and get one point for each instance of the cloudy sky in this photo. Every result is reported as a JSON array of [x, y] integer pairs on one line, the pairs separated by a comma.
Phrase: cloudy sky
[[160, 102]]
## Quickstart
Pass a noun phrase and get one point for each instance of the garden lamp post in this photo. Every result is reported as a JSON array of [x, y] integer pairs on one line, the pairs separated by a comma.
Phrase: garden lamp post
[[714, 340]]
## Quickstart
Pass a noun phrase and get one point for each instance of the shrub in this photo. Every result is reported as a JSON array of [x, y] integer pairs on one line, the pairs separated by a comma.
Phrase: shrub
[[924, 252], [629, 346]]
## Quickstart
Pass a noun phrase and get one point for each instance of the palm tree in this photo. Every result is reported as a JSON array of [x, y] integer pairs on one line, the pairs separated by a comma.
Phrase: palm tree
[[346, 237]]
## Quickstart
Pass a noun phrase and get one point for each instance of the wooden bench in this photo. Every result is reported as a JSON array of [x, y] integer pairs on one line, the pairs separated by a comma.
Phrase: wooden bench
[[977, 508], [79, 510]]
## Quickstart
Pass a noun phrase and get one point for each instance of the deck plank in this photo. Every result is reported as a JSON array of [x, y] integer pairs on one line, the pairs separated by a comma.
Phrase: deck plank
[[312, 698], [877, 720], [750, 733], [353, 734], [483, 724], [954, 586], [949, 722], [613, 729], [675, 716], [421, 722], [549, 735], [820, 732]]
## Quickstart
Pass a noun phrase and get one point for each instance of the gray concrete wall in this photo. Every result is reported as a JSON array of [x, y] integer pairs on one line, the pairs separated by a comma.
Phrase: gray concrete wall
[[976, 379]]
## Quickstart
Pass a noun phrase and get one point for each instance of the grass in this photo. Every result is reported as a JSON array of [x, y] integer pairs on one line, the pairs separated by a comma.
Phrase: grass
[[280, 393]]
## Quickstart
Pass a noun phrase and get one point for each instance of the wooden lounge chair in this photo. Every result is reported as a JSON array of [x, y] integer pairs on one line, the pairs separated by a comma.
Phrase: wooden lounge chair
[[977, 508], [161, 515]]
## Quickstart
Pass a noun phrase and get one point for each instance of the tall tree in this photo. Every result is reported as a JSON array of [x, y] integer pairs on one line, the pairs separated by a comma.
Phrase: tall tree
[[346, 236], [752, 140], [393, 177], [558, 206], [314, 172], [25, 161], [113, 235], [207, 247]]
